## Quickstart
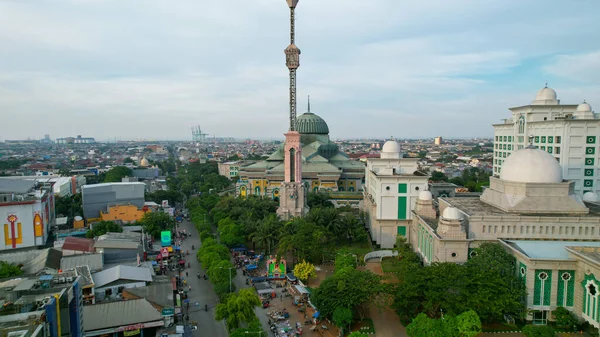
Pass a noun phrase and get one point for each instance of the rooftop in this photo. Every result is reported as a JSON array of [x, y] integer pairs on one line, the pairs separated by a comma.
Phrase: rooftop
[[473, 206], [121, 272], [548, 250], [16, 186], [115, 314]]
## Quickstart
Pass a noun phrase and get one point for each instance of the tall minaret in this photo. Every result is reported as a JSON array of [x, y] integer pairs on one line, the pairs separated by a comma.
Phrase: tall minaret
[[292, 202], [292, 61]]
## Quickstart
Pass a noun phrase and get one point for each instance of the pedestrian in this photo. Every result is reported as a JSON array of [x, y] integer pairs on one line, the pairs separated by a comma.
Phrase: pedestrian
[[186, 274], [281, 297], [190, 288]]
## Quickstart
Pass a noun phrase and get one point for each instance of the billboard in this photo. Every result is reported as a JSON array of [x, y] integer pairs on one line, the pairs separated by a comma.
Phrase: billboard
[[165, 238]]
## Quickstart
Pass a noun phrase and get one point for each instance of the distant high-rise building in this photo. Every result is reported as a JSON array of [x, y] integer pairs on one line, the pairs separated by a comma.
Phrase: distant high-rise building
[[570, 132], [438, 140]]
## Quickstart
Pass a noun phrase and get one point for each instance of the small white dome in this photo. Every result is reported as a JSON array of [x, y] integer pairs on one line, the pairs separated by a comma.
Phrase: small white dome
[[531, 165], [391, 146], [590, 197], [425, 195], [546, 94], [451, 213], [584, 107]]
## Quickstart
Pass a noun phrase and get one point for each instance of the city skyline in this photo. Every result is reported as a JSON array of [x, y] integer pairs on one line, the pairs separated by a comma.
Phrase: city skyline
[[108, 69]]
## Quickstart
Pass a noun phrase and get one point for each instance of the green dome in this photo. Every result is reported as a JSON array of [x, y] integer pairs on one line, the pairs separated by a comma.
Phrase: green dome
[[309, 123]]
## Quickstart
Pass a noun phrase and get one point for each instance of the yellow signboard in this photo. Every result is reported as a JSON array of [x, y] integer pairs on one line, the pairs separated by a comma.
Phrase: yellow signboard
[[131, 333]]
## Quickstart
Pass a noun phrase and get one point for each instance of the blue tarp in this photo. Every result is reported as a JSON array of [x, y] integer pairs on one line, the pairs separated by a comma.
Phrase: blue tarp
[[239, 249], [251, 267], [291, 277], [258, 279], [154, 263], [46, 277], [316, 315]]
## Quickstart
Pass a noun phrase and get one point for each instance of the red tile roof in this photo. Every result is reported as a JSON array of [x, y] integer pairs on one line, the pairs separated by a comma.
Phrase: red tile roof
[[78, 244]]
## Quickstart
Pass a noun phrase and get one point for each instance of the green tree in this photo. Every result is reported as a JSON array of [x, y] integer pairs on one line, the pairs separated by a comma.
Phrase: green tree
[[349, 288], [493, 284], [304, 270], [267, 232], [156, 222], [116, 173], [238, 309], [103, 227], [254, 329], [438, 176], [564, 319], [344, 259], [318, 199], [220, 272], [9, 270], [342, 317], [468, 324], [230, 233], [128, 160], [538, 331]]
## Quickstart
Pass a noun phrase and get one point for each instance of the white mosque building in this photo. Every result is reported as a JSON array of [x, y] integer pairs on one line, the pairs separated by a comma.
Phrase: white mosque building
[[568, 132], [392, 187], [537, 215]]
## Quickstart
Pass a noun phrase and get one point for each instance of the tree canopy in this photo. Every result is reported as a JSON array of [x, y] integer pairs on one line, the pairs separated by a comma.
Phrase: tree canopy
[[156, 222], [103, 227], [348, 288], [238, 308], [9, 270], [304, 270], [116, 173]]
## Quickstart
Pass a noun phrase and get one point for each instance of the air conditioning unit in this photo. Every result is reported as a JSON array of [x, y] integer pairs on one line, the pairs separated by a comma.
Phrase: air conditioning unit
[[62, 280], [70, 279]]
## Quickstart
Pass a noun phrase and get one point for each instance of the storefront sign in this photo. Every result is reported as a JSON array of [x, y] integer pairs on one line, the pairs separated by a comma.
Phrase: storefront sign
[[139, 326], [131, 333], [165, 238], [167, 312]]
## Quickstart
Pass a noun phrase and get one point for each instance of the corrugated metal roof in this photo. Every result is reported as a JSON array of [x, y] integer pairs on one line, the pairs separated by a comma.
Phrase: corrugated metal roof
[[78, 244], [116, 244], [25, 285], [121, 273], [116, 314], [16, 186], [94, 261]]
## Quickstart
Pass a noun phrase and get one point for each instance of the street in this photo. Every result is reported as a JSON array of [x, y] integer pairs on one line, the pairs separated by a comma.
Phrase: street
[[203, 293], [202, 290]]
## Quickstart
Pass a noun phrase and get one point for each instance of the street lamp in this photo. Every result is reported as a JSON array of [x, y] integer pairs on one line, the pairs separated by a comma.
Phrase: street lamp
[[229, 275]]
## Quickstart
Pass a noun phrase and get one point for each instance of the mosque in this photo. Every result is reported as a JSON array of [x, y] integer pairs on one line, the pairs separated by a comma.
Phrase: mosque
[[537, 215], [324, 167]]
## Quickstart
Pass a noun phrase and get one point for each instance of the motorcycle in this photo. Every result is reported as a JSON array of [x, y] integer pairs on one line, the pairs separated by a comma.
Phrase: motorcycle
[[193, 247], [198, 275], [205, 277], [206, 307]]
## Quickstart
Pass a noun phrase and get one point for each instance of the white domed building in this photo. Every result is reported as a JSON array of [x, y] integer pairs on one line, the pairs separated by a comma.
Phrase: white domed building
[[393, 186], [568, 132], [538, 217]]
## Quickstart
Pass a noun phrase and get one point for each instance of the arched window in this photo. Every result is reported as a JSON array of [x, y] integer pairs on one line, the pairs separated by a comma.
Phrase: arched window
[[257, 190], [521, 125]]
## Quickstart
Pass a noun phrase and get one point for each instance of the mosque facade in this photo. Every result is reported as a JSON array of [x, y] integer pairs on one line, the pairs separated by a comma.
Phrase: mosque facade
[[538, 217], [324, 166], [569, 132], [392, 187]]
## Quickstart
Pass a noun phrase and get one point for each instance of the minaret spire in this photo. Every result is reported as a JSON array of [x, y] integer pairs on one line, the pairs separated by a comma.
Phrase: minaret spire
[[292, 61], [308, 103]]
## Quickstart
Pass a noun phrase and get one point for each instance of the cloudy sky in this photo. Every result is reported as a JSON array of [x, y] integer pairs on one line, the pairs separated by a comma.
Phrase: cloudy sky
[[151, 69]]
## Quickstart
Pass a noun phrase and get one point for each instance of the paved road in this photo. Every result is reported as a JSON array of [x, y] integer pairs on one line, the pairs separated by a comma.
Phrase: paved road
[[202, 291]]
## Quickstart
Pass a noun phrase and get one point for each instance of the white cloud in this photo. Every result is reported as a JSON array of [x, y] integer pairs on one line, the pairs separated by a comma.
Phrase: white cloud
[[150, 69], [579, 67]]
